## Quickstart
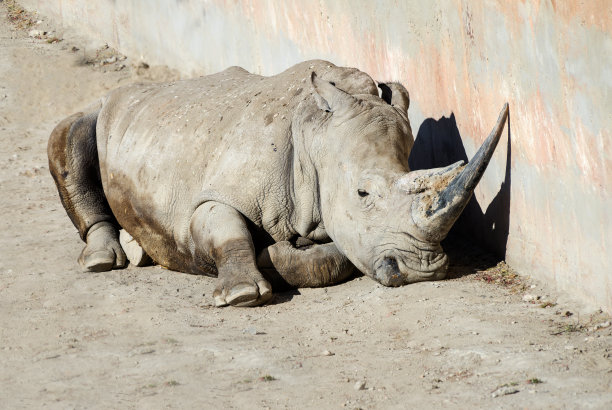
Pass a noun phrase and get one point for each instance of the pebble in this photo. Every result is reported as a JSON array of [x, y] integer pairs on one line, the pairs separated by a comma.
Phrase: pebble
[[36, 33], [598, 326], [360, 385], [505, 390], [327, 353], [250, 331], [531, 298]]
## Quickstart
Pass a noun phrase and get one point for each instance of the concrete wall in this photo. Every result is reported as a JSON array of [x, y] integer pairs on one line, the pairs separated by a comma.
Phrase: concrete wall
[[545, 201]]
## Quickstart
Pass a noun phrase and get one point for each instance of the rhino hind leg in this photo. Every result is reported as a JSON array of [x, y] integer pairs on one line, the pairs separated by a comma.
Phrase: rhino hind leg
[[304, 265], [221, 236], [102, 251], [73, 162]]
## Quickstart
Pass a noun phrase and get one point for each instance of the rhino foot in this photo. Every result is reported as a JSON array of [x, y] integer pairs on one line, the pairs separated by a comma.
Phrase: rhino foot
[[134, 252], [103, 251], [242, 290]]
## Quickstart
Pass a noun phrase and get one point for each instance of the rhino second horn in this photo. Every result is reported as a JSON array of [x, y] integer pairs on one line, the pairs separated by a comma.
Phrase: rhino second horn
[[435, 214]]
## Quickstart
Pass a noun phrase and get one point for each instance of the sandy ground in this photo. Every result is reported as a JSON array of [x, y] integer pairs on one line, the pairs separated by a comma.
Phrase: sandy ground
[[149, 338]]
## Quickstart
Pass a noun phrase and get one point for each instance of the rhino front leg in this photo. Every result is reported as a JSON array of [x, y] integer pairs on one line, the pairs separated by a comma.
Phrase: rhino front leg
[[305, 265], [220, 233]]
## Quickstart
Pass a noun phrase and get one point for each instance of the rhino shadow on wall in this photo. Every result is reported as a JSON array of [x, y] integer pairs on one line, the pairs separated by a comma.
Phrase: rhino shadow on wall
[[438, 144]]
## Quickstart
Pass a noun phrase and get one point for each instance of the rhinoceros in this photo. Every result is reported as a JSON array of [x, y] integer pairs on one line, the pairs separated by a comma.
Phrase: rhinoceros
[[294, 180]]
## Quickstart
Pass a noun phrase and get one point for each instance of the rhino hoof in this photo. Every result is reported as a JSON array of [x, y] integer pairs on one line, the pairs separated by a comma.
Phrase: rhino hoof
[[100, 261], [135, 254], [103, 251], [243, 294]]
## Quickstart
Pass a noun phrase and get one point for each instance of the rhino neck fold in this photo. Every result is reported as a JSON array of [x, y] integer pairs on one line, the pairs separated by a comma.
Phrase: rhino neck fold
[[306, 213]]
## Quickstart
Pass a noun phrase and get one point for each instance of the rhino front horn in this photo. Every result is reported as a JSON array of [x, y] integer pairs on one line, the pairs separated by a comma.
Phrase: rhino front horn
[[436, 212]]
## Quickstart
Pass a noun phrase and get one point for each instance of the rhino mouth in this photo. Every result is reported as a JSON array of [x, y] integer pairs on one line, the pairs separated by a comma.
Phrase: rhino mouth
[[401, 267]]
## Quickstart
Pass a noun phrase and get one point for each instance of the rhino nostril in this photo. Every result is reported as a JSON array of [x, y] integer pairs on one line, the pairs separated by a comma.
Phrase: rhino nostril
[[388, 273], [390, 263]]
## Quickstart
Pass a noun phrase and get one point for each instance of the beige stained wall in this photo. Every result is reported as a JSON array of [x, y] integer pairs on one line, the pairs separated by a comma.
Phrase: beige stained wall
[[545, 201]]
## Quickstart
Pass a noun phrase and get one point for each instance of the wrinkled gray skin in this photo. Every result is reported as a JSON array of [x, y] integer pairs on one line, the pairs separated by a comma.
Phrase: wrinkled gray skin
[[291, 179]]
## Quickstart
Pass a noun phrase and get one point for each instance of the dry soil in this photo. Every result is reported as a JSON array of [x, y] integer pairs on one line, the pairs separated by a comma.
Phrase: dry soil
[[149, 338]]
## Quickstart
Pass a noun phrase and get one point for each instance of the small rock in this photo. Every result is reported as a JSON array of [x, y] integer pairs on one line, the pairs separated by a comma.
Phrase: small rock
[[110, 60], [360, 385], [603, 325], [35, 33], [531, 298], [250, 331], [327, 353], [504, 390]]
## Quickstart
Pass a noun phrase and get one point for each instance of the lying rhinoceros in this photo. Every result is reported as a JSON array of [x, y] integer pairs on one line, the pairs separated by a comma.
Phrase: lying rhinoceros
[[296, 178]]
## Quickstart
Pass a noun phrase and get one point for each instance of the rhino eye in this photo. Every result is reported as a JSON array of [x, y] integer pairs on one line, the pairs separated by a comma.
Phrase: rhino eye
[[362, 193]]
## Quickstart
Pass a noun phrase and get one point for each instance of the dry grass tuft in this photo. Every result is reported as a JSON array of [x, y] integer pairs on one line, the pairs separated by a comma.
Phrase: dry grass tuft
[[502, 275], [18, 16]]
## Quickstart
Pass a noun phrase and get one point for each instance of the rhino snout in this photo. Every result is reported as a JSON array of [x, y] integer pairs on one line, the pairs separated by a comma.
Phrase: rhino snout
[[398, 270], [388, 273]]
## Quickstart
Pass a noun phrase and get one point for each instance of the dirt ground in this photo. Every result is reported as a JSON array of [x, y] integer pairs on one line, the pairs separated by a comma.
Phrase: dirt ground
[[149, 337]]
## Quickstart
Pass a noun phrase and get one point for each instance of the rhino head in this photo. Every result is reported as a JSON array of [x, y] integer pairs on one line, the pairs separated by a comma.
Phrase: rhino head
[[387, 220]]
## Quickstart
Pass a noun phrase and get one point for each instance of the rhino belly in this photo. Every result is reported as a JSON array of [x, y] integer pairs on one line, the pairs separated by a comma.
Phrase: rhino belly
[[156, 218], [150, 178]]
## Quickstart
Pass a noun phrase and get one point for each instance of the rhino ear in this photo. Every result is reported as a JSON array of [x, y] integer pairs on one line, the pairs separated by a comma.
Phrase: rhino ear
[[396, 95], [328, 97]]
